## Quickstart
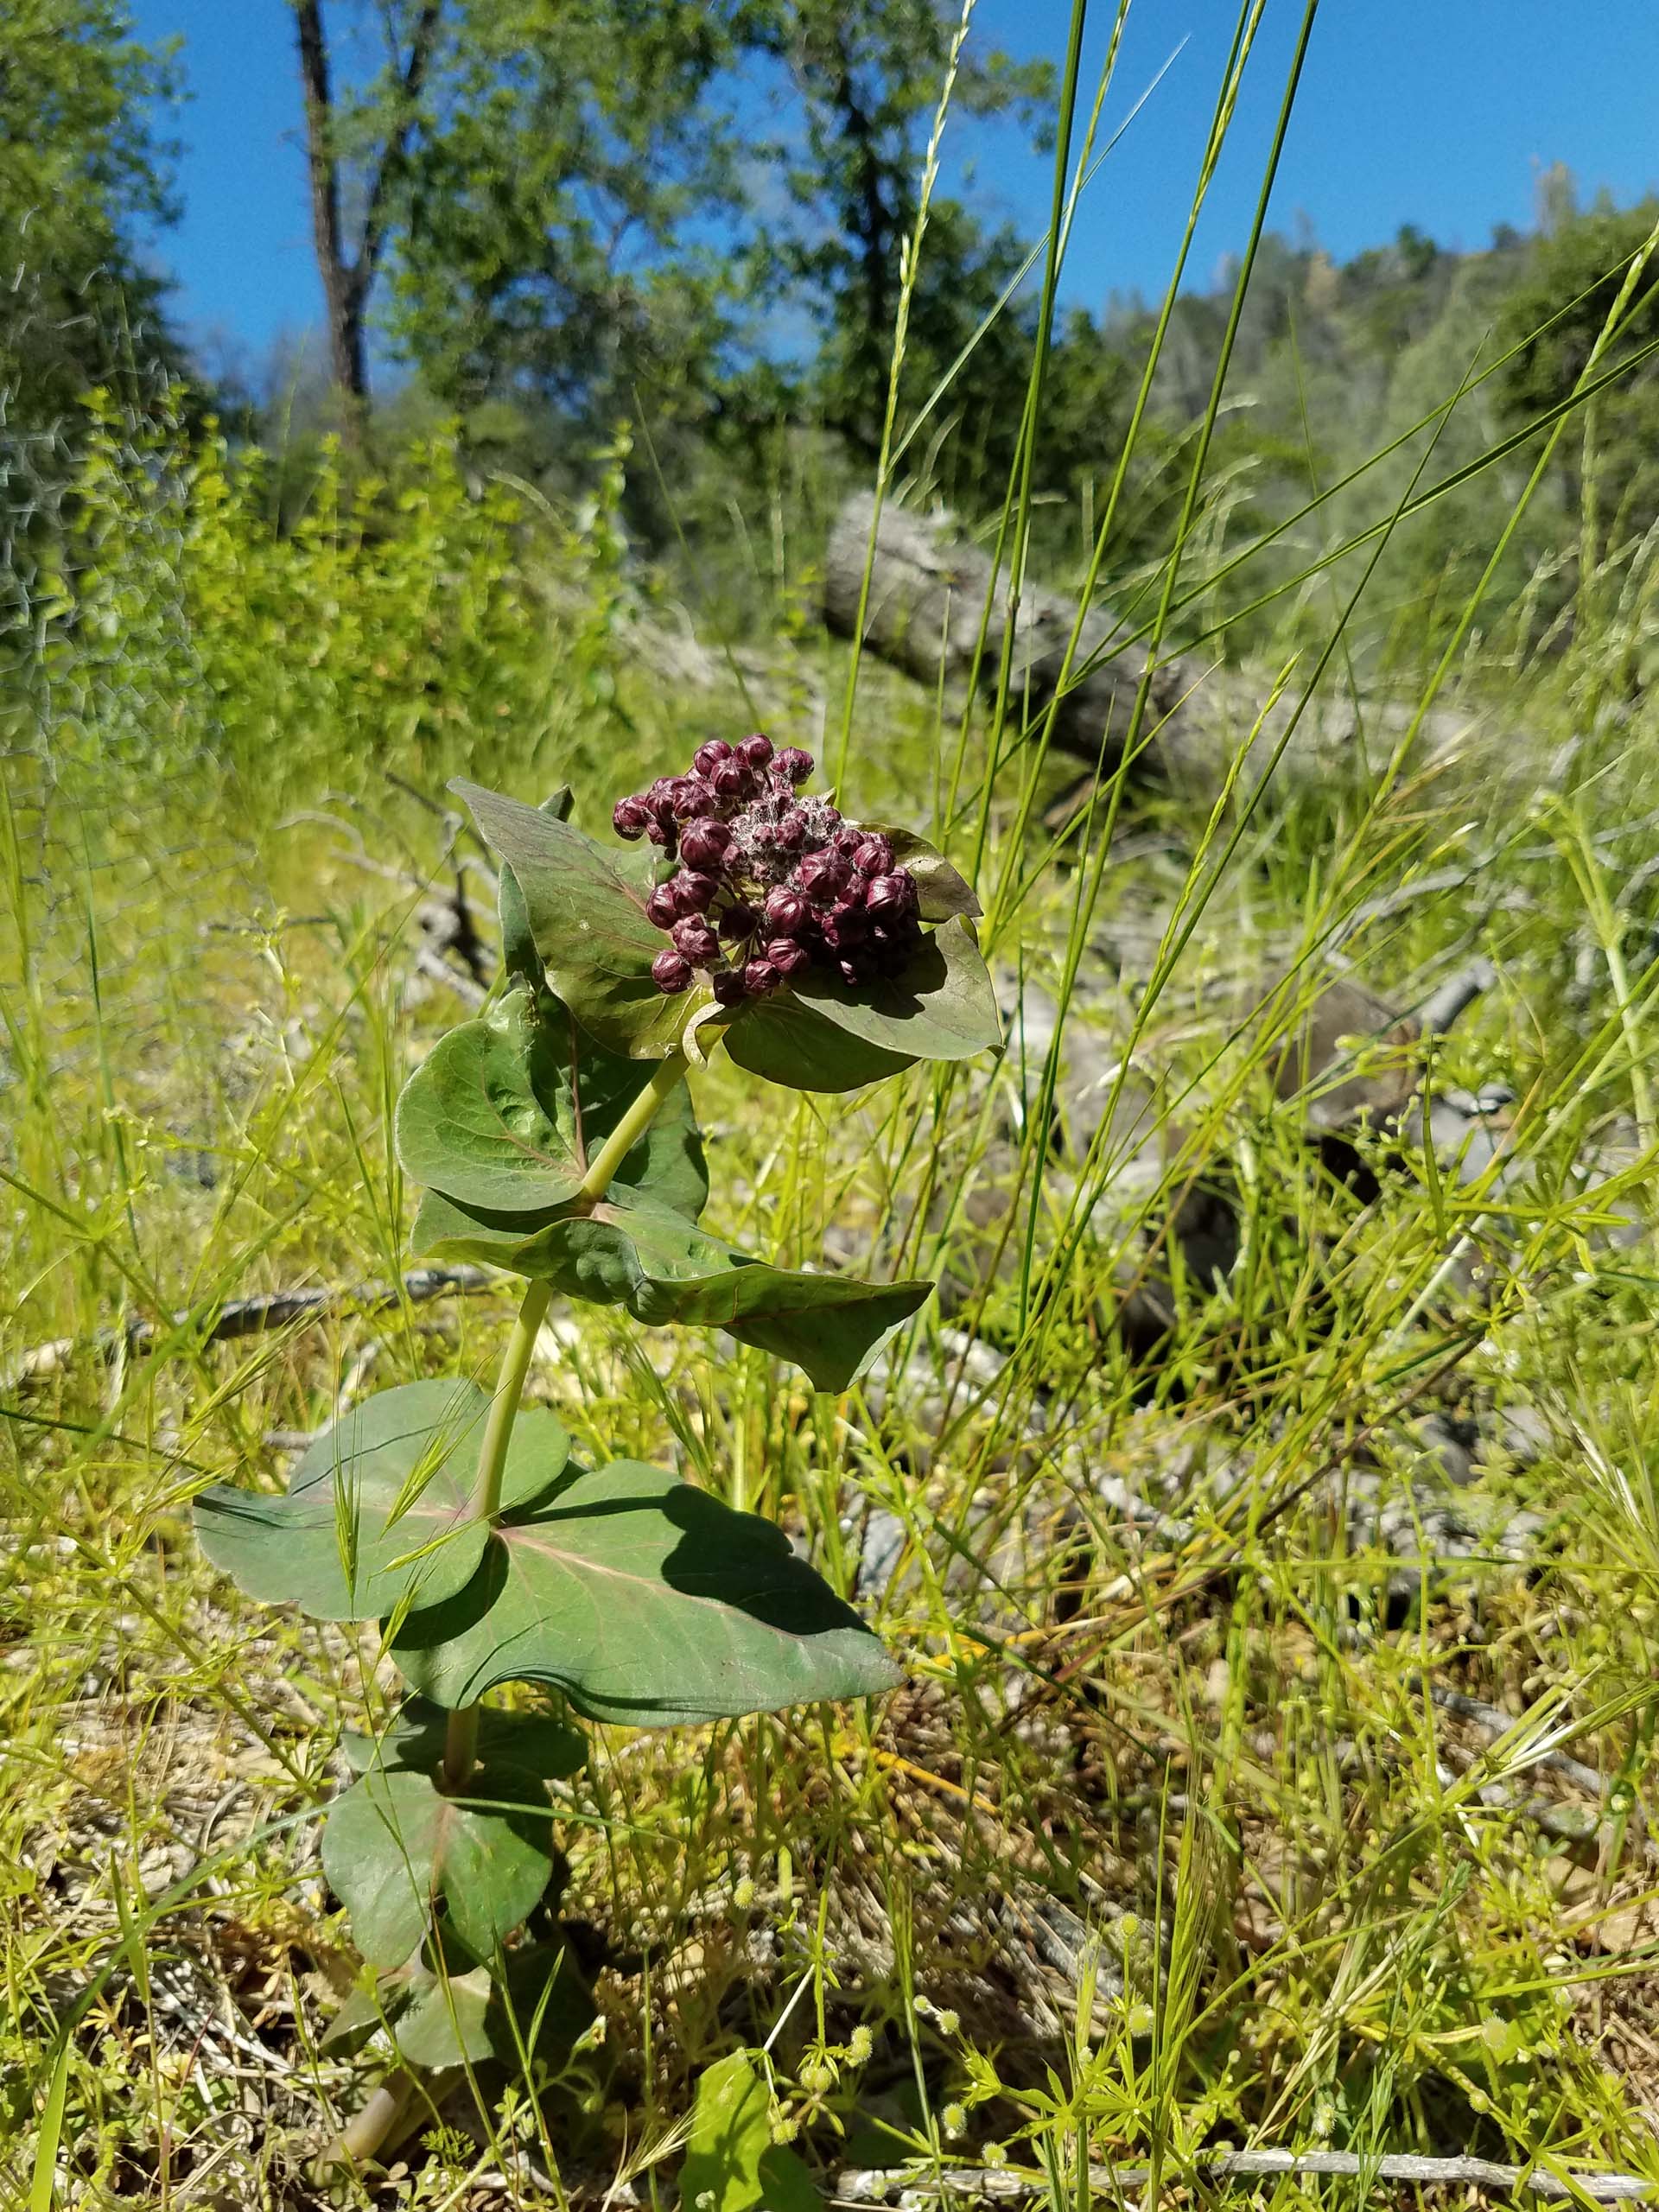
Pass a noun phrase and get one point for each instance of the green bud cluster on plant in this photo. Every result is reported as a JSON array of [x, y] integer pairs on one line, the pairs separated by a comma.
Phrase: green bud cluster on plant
[[555, 1138]]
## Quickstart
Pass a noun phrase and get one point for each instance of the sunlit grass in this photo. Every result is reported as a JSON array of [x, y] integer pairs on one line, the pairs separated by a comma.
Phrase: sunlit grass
[[1168, 1843]]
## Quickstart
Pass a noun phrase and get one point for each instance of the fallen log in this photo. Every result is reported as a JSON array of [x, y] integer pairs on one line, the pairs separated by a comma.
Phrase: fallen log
[[931, 590]]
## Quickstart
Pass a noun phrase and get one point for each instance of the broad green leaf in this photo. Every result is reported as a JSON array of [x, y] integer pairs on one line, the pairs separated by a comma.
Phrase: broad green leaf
[[732, 2164], [441, 2019], [504, 1112], [380, 1506], [787, 1041], [642, 1599], [447, 2020], [943, 1007], [395, 1847], [518, 954], [534, 1743], [663, 1270], [585, 911]]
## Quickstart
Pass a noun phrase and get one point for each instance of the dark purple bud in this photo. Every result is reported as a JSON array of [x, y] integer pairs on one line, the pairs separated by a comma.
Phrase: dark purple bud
[[889, 897], [705, 844], [694, 937], [820, 877], [656, 833], [732, 780], [796, 764], [786, 912], [689, 796], [708, 755], [845, 927], [740, 919], [694, 894], [791, 832], [788, 956], [670, 972], [850, 971], [756, 750], [847, 841], [729, 986], [660, 907], [759, 976], [629, 817], [873, 857]]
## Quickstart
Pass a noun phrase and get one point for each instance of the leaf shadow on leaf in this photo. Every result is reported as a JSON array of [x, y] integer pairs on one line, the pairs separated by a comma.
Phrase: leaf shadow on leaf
[[779, 1591]]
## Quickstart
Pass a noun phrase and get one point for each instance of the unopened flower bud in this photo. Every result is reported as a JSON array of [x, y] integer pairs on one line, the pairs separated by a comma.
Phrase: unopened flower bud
[[791, 832], [705, 844], [820, 878], [789, 955], [787, 912], [756, 750], [660, 906], [797, 765], [847, 841], [845, 927], [759, 976], [694, 937], [694, 894], [873, 857], [709, 754], [629, 817], [732, 780], [740, 919], [729, 986], [890, 897], [689, 796], [670, 972], [656, 833]]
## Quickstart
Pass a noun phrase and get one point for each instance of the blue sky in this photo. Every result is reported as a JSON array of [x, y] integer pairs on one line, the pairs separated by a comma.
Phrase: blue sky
[[1438, 112]]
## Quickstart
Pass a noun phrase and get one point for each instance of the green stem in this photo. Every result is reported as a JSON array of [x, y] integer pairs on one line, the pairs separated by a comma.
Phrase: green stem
[[460, 1740], [632, 1126]]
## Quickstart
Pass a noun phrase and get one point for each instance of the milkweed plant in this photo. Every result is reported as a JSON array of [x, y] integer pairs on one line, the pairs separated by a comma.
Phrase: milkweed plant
[[553, 1137]]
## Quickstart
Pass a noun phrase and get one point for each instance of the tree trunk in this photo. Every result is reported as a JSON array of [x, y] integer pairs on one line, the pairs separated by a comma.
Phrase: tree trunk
[[346, 277]]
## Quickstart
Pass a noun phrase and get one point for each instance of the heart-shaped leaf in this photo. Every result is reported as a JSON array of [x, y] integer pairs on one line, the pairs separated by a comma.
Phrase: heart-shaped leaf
[[942, 1007], [395, 1847], [380, 1507], [642, 1599], [585, 911], [532, 1742], [504, 1112], [663, 1269]]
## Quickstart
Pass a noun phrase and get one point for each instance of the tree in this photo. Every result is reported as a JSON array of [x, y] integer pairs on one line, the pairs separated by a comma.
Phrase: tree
[[357, 151], [82, 174], [1553, 318], [865, 78]]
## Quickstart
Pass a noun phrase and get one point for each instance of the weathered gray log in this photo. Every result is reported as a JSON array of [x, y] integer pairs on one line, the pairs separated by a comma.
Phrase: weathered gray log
[[929, 594], [928, 598]]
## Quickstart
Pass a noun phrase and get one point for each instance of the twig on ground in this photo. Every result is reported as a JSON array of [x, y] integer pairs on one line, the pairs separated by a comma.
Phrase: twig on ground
[[430, 962], [247, 1317], [1004, 2184]]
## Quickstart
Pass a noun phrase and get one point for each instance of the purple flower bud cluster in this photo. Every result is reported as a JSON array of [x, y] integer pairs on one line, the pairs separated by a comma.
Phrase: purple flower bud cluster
[[768, 883]]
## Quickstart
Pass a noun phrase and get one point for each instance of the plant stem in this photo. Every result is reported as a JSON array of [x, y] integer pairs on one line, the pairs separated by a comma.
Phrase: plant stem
[[634, 1124], [460, 1739]]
